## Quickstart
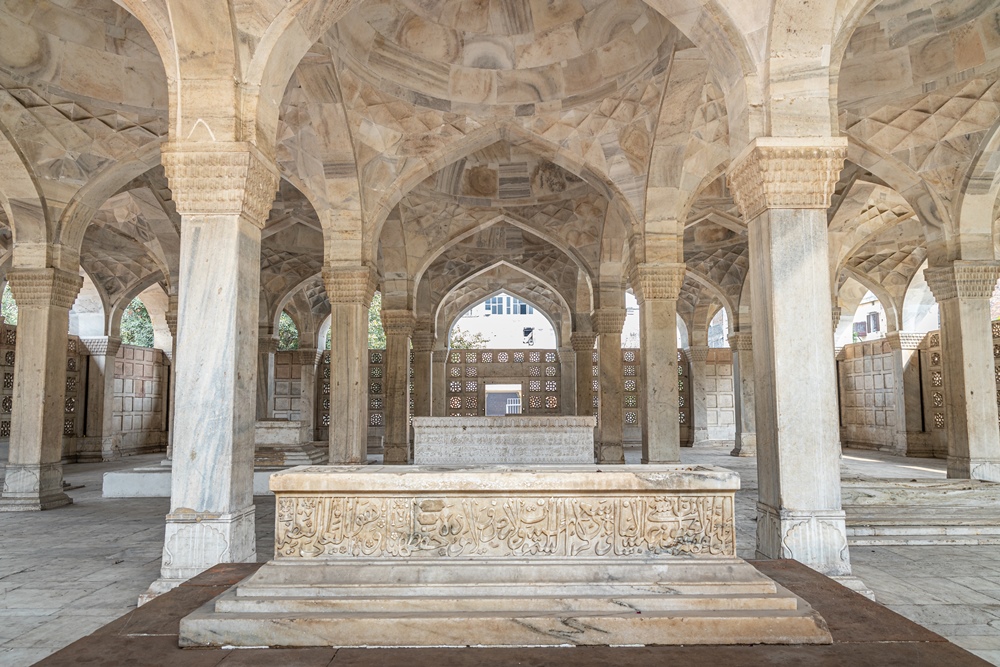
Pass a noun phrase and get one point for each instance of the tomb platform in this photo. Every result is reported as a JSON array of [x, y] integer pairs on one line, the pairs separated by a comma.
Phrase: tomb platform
[[388, 556], [282, 444], [507, 440]]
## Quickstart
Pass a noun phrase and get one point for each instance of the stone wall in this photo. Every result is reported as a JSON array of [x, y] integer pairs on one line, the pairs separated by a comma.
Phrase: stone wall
[[287, 385], [140, 404], [76, 387], [868, 406], [720, 401]]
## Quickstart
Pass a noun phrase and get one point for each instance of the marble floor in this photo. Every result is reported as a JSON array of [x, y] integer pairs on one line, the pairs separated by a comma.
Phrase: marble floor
[[65, 573]]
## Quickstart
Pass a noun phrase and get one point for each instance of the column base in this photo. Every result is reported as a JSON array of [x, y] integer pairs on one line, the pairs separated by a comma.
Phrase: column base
[[396, 454], [32, 488], [746, 445], [611, 453], [856, 585], [817, 538], [986, 470], [195, 541]]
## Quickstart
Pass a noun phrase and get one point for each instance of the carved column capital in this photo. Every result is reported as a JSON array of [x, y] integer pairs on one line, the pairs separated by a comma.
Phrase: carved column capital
[[786, 172], [904, 340], [582, 341], [171, 314], [398, 322], [228, 178], [835, 314], [350, 284], [962, 279], [423, 338], [698, 352], [267, 345], [608, 320], [741, 341], [101, 346], [307, 356], [657, 282], [44, 287]]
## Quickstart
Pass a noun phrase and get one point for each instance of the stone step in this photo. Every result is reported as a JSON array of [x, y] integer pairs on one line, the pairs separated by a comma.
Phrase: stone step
[[920, 540], [516, 603]]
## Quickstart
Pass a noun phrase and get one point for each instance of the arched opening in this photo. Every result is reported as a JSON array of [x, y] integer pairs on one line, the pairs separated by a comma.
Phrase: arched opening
[[718, 329], [288, 333], [630, 331], [503, 321], [136, 326], [869, 322], [920, 309], [8, 306]]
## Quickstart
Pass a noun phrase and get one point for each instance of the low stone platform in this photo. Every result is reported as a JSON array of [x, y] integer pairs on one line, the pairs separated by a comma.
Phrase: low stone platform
[[509, 440], [921, 512], [504, 556], [864, 634], [283, 444]]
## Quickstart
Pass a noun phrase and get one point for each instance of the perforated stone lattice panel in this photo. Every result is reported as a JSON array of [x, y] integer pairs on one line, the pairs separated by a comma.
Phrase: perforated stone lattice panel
[[508, 367]]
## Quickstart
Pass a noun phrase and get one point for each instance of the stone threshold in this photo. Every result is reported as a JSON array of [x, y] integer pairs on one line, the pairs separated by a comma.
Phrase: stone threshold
[[864, 633]]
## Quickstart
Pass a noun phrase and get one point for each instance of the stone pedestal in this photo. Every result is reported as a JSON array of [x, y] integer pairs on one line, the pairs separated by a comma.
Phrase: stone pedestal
[[425, 556], [512, 440], [963, 292], [282, 444], [223, 194], [608, 323], [350, 291], [783, 187], [398, 325], [656, 287], [743, 376], [33, 477]]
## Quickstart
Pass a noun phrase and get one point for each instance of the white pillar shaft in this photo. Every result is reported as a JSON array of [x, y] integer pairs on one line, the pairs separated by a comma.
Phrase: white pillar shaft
[[397, 399], [307, 390], [348, 383], [661, 426], [746, 417], [567, 381]]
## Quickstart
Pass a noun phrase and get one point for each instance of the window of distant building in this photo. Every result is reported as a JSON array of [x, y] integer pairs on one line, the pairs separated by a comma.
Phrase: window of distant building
[[506, 305]]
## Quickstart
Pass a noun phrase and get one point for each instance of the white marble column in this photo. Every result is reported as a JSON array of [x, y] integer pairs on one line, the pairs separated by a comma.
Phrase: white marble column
[[698, 354], [906, 375], [783, 188], [656, 287], [308, 358], [398, 325], [267, 345], [223, 193], [439, 382], [101, 394], [741, 343], [350, 290], [567, 381], [423, 345], [608, 323], [33, 478], [963, 292], [583, 346], [171, 317]]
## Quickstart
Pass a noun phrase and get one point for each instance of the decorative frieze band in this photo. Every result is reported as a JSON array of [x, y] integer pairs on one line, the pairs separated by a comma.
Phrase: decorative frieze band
[[698, 352], [904, 340], [657, 282], [44, 287], [963, 280], [608, 320], [786, 172], [307, 356], [423, 339], [398, 322], [583, 341], [221, 179], [102, 346], [355, 285], [741, 341]]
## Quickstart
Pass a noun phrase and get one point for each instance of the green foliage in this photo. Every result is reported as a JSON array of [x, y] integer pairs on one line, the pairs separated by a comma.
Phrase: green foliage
[[8, 308], [464, 340], [137, 328], [376, 334], [288, 333]]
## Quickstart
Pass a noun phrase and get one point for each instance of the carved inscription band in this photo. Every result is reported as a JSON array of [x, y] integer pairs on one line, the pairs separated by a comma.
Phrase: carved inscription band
[[503, 526]]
